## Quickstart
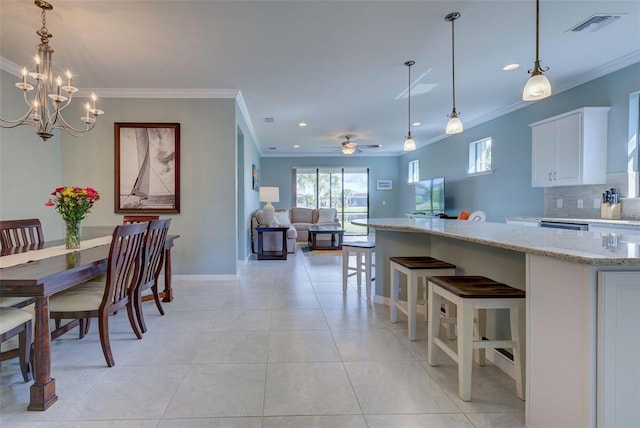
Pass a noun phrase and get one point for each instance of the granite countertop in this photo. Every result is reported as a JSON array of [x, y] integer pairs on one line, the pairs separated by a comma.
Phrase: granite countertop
[[633, 223], [594, 248]]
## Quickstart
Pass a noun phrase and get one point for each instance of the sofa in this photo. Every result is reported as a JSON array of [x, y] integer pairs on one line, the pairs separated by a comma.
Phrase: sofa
[[298, 220]]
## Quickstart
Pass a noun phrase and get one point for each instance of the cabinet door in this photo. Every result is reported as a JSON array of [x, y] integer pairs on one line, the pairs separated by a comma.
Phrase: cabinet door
[[543, 154], [569, 137]]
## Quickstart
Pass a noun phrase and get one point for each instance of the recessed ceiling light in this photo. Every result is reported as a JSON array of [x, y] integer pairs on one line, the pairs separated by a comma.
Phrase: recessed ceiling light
[[510, 67], [416, 124], [302, 124], [296, 146]]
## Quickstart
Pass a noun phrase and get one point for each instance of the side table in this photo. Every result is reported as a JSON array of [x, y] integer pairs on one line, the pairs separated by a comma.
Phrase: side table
[[272, 255]]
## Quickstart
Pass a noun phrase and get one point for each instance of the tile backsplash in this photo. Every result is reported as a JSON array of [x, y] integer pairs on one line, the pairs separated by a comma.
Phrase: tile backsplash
[[584, 201]]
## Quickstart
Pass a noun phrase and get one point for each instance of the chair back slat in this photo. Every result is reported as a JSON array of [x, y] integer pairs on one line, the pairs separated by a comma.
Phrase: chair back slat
[[124, 266], [138, 218], [153, 251], [19, 233]]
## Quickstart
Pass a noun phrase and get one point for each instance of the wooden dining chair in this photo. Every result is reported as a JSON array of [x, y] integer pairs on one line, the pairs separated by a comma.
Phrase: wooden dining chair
[[138, 218], [18, 233], [16, 322], [99, 300], [152, 261]]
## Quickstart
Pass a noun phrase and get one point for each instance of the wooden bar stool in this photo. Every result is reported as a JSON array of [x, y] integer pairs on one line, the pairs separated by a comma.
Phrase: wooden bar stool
[[471, 293], [364, 256], [414, 268]]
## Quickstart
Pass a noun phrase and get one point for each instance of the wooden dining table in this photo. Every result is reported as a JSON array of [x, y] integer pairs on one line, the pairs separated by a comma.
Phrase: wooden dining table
[[40, 279]]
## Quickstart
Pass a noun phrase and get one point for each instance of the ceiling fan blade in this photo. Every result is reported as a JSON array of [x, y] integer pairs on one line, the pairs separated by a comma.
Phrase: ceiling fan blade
[[370, 146]]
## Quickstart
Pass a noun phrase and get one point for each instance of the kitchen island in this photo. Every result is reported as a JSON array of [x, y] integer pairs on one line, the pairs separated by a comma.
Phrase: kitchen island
[[582, 317]]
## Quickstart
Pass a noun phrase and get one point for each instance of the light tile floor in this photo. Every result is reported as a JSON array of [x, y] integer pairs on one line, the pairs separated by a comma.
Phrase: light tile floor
[[279, 347]]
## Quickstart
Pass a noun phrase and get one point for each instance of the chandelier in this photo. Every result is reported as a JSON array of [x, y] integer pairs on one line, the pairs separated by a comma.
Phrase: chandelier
[[50, 96]]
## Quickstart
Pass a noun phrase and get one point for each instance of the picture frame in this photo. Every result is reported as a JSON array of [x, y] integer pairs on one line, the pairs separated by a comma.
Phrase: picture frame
[[384, 184], [147, 167], [255, 177]]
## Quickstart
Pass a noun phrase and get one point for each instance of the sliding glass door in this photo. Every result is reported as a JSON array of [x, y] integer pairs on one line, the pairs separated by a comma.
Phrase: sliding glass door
[[345, 189]]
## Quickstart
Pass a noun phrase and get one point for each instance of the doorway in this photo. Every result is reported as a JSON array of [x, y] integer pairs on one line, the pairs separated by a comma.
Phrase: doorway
[[346, 189]]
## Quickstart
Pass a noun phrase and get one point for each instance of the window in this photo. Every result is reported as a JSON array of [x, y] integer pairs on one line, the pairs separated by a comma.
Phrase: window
[[480, 156], [414, 171]]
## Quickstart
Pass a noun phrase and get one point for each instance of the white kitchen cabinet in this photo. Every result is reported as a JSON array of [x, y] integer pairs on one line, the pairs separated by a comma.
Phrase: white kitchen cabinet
[[570, 149]]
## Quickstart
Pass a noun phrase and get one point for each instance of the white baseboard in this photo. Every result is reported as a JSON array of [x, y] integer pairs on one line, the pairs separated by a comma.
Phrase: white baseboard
[[493, 356]]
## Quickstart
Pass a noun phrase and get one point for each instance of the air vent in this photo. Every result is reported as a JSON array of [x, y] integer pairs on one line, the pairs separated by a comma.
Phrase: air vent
[[596, 22], [268, 120], [272, 148]]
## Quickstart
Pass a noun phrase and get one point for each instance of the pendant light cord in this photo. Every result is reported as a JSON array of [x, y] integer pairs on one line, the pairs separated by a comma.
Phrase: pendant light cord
[[409, 103], [537, 30], [453, 64]]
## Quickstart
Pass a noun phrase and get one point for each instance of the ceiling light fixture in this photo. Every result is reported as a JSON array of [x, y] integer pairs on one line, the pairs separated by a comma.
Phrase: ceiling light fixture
[[302, 124], [45, 108], [454, 125], [348, 150], [538, 86], [510, 67], [409, 144]]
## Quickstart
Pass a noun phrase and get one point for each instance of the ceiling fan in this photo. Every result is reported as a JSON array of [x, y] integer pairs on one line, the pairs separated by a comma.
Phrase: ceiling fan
[[349, 147]]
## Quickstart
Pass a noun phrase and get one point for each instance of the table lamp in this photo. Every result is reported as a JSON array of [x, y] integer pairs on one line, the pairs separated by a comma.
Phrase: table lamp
[[268, 195]]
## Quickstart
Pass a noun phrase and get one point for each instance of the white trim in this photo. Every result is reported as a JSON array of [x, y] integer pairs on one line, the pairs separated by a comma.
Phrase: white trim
[[247, 119], [159, 93]]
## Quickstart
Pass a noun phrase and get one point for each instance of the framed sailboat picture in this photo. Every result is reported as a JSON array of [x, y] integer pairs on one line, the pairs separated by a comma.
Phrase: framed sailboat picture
[[147, 167]]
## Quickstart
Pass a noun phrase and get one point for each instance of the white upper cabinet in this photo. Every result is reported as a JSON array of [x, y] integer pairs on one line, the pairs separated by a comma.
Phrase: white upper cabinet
[[570, 149]]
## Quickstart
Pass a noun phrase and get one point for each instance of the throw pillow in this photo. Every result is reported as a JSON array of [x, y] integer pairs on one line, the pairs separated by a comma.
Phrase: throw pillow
[[326, 215], [283, 217], [259, 216]]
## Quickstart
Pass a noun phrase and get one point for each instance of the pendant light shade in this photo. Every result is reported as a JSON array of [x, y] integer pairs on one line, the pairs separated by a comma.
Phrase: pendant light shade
[[409, 144], [454, 125], [538, 86]]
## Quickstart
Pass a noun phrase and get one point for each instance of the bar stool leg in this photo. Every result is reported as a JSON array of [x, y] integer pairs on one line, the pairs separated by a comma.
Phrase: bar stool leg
[[359, 267], [451, 313], [434, 300], [395, 289], [465, 348], [480, 330], [412, 297], [367, 272], [345, 269], [515, 315]]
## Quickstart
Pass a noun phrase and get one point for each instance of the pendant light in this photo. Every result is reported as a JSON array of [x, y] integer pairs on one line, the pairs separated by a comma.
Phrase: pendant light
[[538, 86], [454, 125], [409, 144]]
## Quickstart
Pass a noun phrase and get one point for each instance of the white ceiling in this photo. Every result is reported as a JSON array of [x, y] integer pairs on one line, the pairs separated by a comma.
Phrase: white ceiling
[[337, 65]]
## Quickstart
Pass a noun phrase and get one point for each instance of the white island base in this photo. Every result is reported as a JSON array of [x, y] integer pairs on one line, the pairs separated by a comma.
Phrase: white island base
[[582, 317]]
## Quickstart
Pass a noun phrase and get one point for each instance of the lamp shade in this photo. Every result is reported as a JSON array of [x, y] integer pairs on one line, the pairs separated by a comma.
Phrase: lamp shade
[[269, 194], [409, 144], [454, 125], [537, 87]]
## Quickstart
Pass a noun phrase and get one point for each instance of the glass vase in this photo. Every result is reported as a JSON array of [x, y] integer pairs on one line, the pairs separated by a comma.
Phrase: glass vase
[[72, 236]]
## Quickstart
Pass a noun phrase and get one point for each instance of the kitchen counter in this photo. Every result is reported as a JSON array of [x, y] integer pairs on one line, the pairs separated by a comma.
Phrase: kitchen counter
[[576, 246], [578, 220], [581, 287]]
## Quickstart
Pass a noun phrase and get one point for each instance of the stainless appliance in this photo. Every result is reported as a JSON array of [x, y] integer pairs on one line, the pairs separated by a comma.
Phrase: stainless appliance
[[564, 225]]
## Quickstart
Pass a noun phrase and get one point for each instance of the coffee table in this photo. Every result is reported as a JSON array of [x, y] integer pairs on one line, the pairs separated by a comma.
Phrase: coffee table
[[335, 243]]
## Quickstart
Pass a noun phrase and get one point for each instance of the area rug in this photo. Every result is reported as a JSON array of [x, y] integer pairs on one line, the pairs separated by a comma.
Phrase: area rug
[[307, 251]]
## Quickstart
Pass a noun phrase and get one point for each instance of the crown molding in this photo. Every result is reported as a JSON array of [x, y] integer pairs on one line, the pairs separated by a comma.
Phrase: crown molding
[[247, 120]]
